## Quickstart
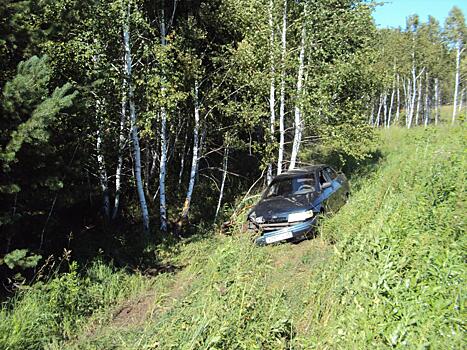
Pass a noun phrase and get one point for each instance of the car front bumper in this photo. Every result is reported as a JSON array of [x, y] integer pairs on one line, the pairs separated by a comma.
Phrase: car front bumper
[[285, 233]]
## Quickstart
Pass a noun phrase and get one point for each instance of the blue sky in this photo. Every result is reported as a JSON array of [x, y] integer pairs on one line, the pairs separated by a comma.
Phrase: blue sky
[[394, 12]]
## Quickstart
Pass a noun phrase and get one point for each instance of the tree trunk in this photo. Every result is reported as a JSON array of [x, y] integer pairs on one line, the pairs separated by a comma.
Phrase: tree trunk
[[456, 84], [378, 116], [121, 146], [224, 176], [182, 160], [461, 100], [194, 161], [101, 168], [398, 109], [419, 99], [465, 111], [391, 104], [134, 127], [282, 102], [298, 109], [163, 141], [103, 179], [413, 95], [408, 99], [385, 108], [436, 101], [427, 94], [272, 89]]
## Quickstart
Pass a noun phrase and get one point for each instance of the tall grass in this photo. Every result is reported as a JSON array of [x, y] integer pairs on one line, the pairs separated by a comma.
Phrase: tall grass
[[400, 252], [52, 312], [386, 271]]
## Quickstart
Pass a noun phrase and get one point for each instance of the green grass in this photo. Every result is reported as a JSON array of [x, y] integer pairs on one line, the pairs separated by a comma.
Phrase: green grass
[[446, 114], [386, 271]]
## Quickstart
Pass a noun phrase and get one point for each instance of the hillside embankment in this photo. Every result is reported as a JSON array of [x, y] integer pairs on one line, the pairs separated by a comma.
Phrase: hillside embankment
[[388, 270]]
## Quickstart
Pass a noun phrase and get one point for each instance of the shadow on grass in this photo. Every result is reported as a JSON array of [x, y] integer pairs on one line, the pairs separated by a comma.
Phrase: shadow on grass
[[128, 248]]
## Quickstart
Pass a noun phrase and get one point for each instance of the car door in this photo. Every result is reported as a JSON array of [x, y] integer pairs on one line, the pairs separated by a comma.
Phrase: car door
[[337, 185], [326, 191]]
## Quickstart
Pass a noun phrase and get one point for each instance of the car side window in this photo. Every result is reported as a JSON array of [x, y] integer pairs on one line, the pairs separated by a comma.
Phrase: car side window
[[331, 173], [324, 177]]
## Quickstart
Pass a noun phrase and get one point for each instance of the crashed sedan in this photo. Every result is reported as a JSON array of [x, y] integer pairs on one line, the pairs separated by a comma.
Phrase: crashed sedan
[[292, 203]]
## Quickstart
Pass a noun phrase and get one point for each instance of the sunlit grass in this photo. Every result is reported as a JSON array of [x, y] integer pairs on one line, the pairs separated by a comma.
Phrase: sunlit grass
[[386, 271]]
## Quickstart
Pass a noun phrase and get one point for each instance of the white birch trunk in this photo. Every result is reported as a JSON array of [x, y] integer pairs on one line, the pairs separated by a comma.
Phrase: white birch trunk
[[404, 91], [461, 100], [121, 146], [194, 161], [408, 99], [436, 101], [427, 92], [456, 84], [465, 110], [134, 127], [372, 114], [103, 179], [419, 99], [398, 109], [391, 104], [224, 176], [378, 116], [298, 110], [272, 89], [163, 142], [182, 160], [385, 108], [282, 101], [413, 95], [101, 168]]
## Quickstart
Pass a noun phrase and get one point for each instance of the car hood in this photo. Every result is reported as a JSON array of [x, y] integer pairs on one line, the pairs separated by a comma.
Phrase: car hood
[[281, 206]]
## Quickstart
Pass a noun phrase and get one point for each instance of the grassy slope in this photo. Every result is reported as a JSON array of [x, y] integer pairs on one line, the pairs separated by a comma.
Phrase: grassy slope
[[393, 277]]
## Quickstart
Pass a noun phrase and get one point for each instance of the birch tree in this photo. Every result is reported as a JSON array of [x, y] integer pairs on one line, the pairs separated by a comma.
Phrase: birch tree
[[456, 33], [102, 172], [122, 140], [133, 119], [272, 88], [194, 160], [224, 176], [282, 92], [298, 98], [163, 137]]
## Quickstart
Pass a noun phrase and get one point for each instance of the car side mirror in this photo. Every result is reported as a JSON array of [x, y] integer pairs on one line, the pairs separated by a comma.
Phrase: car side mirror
[[326, 185]]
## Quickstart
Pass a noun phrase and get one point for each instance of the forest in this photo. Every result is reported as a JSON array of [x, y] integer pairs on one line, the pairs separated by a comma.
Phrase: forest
[[131, 129]]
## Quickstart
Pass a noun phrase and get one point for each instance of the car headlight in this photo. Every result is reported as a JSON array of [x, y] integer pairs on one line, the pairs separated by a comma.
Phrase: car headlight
[[259, 220], [302, 216]]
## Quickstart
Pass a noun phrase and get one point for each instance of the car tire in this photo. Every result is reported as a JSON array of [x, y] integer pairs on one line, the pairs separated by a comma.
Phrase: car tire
[[346, 198]]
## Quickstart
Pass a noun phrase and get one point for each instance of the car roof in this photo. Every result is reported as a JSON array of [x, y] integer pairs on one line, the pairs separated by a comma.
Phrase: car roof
[[312, 169]]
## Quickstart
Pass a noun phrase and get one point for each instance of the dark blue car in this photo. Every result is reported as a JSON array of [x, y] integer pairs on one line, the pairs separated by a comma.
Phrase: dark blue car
[[293, 201]]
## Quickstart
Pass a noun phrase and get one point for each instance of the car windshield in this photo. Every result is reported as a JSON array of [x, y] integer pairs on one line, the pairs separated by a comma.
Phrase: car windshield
[[290, 187]]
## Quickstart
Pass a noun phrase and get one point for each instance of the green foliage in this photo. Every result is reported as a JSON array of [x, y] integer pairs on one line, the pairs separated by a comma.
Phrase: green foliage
[[394, 277], [50, 312], [399, 252], [31, 119], [238, 296], [19, 258], [34, 130], [456, 30]]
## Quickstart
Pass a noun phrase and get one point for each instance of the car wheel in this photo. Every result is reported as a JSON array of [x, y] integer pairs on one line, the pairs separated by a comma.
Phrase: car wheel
[[346, 198]]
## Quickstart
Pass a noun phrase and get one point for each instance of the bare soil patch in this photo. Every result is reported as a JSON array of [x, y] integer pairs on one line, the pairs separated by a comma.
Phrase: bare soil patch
[[134, 312]]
